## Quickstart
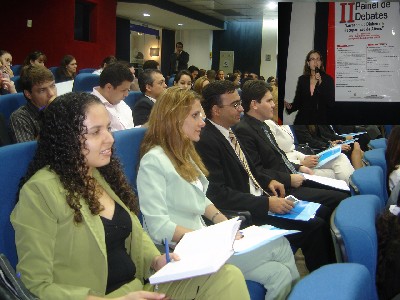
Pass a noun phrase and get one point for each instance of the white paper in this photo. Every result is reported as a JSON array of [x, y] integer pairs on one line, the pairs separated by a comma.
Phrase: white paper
[[338, 184]]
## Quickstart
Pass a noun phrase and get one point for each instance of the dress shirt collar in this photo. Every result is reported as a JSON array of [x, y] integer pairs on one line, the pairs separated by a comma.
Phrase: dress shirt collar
[[223, 130], [151, 98]]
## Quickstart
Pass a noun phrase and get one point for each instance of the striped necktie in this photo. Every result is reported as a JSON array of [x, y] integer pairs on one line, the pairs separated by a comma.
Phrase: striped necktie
[[243, 160], [288, 164]]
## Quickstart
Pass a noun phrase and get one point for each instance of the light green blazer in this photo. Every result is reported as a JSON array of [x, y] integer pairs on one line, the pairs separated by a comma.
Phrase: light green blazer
[[59, 259]]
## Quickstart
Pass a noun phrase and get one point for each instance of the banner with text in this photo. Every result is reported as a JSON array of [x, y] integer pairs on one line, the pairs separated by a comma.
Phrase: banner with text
[[367, 51]]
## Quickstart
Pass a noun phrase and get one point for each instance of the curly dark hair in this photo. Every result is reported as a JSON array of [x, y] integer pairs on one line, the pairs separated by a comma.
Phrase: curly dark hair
[[60, 144]]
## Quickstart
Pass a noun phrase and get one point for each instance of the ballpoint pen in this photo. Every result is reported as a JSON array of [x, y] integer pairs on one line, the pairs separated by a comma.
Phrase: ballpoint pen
[[167, 250]]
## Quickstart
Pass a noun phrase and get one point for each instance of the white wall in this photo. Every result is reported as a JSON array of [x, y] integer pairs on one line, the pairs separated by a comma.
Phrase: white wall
[[198, 43], [270, 47]]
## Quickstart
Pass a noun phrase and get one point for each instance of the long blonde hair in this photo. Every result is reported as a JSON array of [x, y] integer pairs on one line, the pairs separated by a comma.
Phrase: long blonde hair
[[165, 130]]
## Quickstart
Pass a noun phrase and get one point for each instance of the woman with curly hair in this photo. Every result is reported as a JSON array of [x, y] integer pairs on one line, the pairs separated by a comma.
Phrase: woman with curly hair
[[393, 158], [76, 229], [388, 269], [172, 187]]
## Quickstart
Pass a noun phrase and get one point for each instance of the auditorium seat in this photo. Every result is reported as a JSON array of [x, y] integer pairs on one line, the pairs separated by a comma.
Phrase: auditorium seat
[[348, 281], [355, 221], [171, 81], [85, 82], [16, 69], [377, 143], [14, 164], [369, 180], [388, 129], [10, 103], [376, 157], [53, 70], [132, 98], [86, 70]]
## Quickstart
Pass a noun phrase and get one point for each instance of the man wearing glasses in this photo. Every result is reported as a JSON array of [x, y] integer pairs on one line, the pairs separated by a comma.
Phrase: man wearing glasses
[[235, 184], [151, 84]]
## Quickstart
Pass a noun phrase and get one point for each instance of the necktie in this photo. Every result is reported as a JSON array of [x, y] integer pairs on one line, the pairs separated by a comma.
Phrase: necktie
[[243, 160], [285, 160]]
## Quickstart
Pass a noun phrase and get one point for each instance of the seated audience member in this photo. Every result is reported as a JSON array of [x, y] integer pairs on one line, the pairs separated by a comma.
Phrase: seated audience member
[[115, 81], [7, 86], [211, 74], [235, 184], [151, 64], [39, 90], [338, 168], [253, 76], [194, 71], [202, 72], [388, 268], [106, 61], [320, 138], [235, 78], [152, 84], [200, 84], [172, 187], [6, 62], [393, 158], [4, 135], [363, 139], [183, 79], [67, 69], [134, 84], [257, 140], [220, 75], [76, 219], [35, 58]]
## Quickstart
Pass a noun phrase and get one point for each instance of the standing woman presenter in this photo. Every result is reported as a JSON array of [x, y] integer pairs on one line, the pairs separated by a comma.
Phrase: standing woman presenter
[[315, 93]]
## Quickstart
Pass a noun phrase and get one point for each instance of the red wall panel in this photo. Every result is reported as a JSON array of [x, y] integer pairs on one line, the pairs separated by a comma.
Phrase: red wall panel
[[52, 31]]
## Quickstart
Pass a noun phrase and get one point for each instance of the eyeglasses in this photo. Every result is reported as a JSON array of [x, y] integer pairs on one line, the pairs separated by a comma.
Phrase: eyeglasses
[[234, 104]]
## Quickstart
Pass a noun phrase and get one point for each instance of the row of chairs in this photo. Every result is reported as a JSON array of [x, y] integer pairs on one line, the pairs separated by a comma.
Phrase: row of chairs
[[17, 70], [336, 277]]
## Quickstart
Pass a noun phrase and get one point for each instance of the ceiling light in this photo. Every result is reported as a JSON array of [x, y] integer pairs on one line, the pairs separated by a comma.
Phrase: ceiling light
[[272, 5], [146, 15]]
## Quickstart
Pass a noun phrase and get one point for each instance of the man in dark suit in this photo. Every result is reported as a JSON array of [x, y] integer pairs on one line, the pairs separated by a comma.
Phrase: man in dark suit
[[151, 84], [179, 59], [259, 143], [232, 187]]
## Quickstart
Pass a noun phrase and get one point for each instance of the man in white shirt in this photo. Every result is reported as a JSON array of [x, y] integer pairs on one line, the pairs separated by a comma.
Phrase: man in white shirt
[[115, 81]]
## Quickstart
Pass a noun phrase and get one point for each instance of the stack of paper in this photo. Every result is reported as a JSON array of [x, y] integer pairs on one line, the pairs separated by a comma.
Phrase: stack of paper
[[335, 183], [302, 211], [328, 155]]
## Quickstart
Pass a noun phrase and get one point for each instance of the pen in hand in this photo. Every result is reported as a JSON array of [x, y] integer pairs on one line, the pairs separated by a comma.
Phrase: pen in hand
[[168, 258]]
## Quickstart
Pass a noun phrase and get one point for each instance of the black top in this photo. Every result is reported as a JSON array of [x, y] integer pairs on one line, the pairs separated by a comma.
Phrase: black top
[[121, 268]]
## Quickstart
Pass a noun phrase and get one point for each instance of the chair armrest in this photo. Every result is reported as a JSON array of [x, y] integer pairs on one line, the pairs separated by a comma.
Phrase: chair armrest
[[244, 216]]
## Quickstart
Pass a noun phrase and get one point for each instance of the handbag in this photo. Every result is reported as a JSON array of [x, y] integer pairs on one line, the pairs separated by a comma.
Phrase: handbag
[[11, 286], [305, 149]]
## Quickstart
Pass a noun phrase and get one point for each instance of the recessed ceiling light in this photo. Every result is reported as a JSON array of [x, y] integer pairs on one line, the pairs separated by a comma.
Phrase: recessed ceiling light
[[272, 5], [180, 24], [146, 15]]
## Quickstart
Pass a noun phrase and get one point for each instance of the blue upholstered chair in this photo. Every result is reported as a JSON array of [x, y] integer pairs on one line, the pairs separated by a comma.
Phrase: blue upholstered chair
[[369, 180], [348, 281], [16, 69], [85, 82], [377, 143], [127, 149], [53, 70], [86, 70], [355, 221], [376, 157], [171, 81], [10, 103], [388, 129], [132, 98], [14, 164]]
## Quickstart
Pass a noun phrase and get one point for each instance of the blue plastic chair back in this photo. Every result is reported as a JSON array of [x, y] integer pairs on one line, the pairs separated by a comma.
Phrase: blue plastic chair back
[[16, 69], [14, 164], [132, 98], [127, 149], [10, 103], [355, 220], [171, 81], [388, 129], [377, 143], [336, 281], [86, 70], [376, 157], [369, 181], [85, 82]]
